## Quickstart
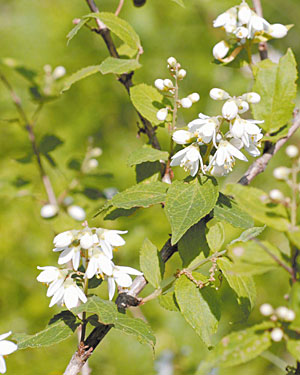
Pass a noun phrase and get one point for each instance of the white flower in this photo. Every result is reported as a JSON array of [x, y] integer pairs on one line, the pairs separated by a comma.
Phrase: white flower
[[224, 156], [172, 62], [99, 264], [243, 106], [68, 293], [218, 94], [281, 173], [228, 20], [245, 129], [6, 347], [92, 163], [69, 253], [159, 84], [168, 84], [88, 240], [230, 109], [162, 114], [244, 13], [195, 97], [64, 239], [241, 32], [76, 212], [256, 25], [52, 276], [292, 151], [266, 309], [276, 334], [109, 239], [120, 276], [182, 137], [181, 74], [277, 30], [48, 211], [189, 159], [205, 128], [59, 72], [220, 50], [186, 102], [276, 195]]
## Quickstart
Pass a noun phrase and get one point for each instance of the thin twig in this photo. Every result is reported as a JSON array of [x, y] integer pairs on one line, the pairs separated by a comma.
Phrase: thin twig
[[262, 47], [121, 3], [260, 164], [29, 127]]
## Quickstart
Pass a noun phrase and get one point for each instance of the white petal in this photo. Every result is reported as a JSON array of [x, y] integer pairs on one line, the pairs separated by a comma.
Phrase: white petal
[[92, 268], [230, 110], [123, 279], [66, 255], [106, 248], [129, 270], [76, 260], [113, 237], [111, 287], [105, 264], [54, 286], [193, 154], [7, 347], [87, 241], [48, 275], [2, 365], [252, 129], [58, 296], [220, 50], [277, 30], [80, 294], [236, 153], [220, 156], [71, 297], [182, 137], [63, 239], [176, 159], [5, 335]]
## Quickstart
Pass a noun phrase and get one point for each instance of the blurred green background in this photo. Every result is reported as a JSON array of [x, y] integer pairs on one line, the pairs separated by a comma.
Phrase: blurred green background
[[34, 32]]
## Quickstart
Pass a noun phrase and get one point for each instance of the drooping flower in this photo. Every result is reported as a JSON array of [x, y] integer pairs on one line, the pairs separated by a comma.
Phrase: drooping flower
[[245, 129], [220, 50], [205, 128], [99, 264], [109, 239], [120, 276], [6, 347], [68, 254], [182, 137], [188, 158]]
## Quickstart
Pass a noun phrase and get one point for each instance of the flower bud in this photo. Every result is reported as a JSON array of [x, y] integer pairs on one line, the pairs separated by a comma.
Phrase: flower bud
[[48, 211], [276, 334], [266, 309], [281, 312], [182, 137], [243, 106], [290, 315], [251, 97], [276, 195], [186, 102], [59, 72], [172, 62], [76, 21], [277, 30], [241, 32], [220, 50], [159, 84], [76, 212], [168, 83], [244, 13], [162, 114], [195, 97], [93, 163], [95, 152], [218, 94], [257, 23], [230, 110], [281, 173], [181, 74], [292, 151]]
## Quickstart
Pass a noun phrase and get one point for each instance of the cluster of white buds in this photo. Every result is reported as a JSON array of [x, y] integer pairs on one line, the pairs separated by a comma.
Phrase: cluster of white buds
[[169, 87], [93, 248], [241, 24], [6, 347], [90, 162], [57, 73], [207, 131]]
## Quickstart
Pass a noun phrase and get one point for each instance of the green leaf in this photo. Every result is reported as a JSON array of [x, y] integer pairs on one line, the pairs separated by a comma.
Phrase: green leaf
[[257, 204], [227, 209], [179, 2], [254, 258], [148, 171], [192, 244], [295, 305], [216, 237], [276, 84], [119, 27], [168, 301], [238, 347], [248, 234], [108, 314], [274, 137], [243, 286], [125, 50], [147, 101], [60, 328], [115, 213], [188, 203], [118, 66], [200, 307], [146, 153], [75, 29], [49, 143], [293, 346], [79, 75], [141, 195], [151, 263]]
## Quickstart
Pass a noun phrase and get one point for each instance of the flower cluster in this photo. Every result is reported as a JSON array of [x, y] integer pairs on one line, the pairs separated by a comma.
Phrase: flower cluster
[[207, 131], [170, 88], [242, 24], [93, 248], [6, 347]]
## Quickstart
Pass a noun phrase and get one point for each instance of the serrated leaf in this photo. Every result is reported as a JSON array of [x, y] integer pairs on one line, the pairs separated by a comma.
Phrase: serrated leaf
[[75, 29], [59, 329], [188, 203], [227, 209], [276, 84], [146, 153], [200, 307], [248, 234], [243, 286], [238, 347], [125, 50], [151, 263], [49, 143], [254, 258], [119, 27], [216, 237], [168, 301], [147, 101], [79, 75], [148, 171], [118, 66], [257, 204], [108, 314], [192, 244], [141, 195]]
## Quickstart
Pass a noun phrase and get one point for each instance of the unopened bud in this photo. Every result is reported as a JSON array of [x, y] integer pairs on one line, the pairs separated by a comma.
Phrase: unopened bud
[[266, 309], [76, 21], [162, 114], [95, 152], [181, 73], [292, 151], [168, 83], [172, 62], [241, 32], [251, 97], [244, 13], [76, 212], [276, 195], [159, 84], [281, 173], [243, 106], [48, 211], [218, 94], [276, 334], [290, 316], [59, 72], [277, 30], [281, 312], [93, 163], [186, 103], [230, 110], [195, 97], [220, 50]]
